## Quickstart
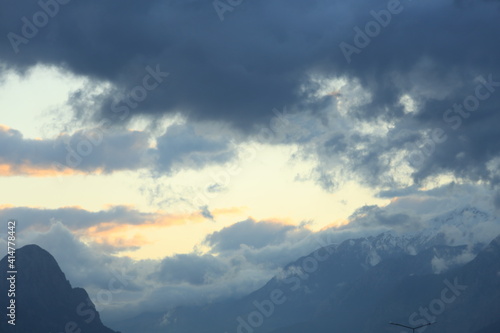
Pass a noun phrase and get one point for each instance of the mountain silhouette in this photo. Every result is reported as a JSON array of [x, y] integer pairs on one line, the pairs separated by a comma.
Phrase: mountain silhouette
[[45, 301]]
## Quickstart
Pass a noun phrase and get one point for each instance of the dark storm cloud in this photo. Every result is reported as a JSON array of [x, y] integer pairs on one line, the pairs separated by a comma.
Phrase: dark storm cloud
[[264, 53], [215, 72], [469, 136], [237, 70]]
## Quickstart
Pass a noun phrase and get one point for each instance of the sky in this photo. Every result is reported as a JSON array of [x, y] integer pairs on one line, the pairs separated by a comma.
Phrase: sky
[[197, 146]]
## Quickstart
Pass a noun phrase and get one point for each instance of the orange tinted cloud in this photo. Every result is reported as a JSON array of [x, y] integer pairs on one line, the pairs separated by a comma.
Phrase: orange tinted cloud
[[122, 241], [4, 128], [5, 206], [119, 232], [336, 224], [281, 221], [8, 170]]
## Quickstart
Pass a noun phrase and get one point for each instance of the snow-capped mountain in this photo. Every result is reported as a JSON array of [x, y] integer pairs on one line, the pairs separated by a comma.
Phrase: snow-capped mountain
[[464, 226]]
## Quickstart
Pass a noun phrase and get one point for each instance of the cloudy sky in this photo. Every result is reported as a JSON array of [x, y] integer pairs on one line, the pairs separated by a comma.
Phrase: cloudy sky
[[198, 145]]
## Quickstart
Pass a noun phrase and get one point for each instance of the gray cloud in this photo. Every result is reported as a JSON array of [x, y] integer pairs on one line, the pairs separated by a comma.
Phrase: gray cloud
[[86, 151], [376, 217], [154, 285], [463, 213], [248, 233], [269, 54], [191, 268], [74, 218], [107, 150], [206, 213], [182, 146]]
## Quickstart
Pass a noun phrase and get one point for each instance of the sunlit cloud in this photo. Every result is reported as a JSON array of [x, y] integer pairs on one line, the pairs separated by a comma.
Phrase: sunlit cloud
[[9, 170]]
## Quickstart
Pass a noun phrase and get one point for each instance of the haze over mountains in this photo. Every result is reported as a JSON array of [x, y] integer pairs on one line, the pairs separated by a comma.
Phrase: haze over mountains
[[441, 273], [359, 286]]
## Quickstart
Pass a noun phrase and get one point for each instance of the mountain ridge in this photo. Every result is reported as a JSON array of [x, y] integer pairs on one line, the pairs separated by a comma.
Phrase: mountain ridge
[[45, 300], [348, 262]]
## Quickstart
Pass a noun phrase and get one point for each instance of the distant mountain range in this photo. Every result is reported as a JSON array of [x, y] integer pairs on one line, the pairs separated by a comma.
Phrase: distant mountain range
[[359, 285], [45, 301], [346, 293]]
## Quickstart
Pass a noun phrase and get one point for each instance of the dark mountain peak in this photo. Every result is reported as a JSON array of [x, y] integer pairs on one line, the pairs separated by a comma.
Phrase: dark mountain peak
[[37, 257], [45, 301], [34, 248], [36, 254]]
